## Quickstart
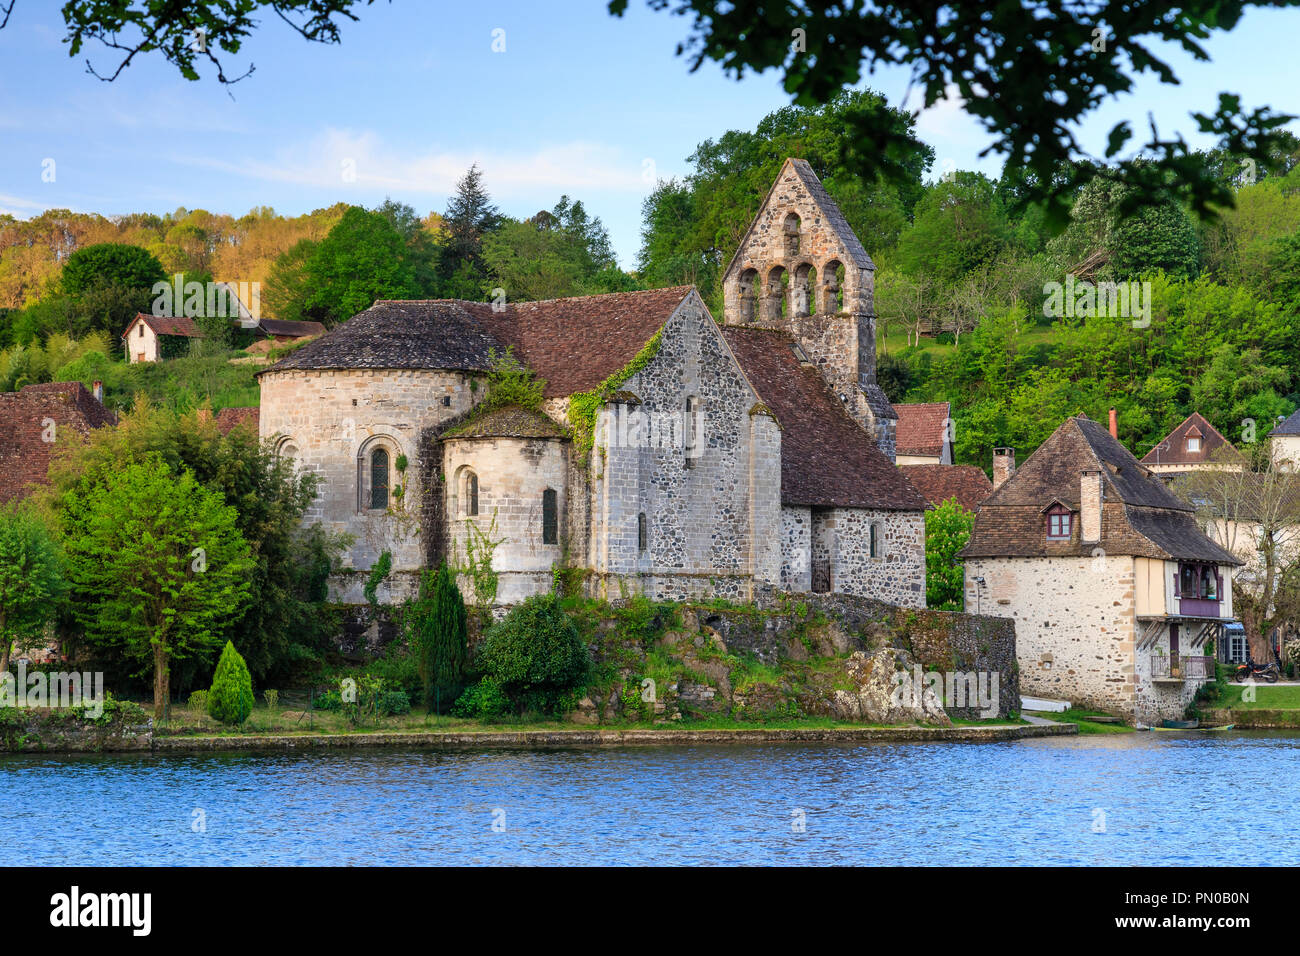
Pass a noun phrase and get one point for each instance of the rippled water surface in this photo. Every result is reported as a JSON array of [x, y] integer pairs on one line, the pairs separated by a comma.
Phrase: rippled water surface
[[1161, 798]]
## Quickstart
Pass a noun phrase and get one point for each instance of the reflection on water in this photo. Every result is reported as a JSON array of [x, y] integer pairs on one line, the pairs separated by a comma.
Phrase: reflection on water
[[1160, 798]]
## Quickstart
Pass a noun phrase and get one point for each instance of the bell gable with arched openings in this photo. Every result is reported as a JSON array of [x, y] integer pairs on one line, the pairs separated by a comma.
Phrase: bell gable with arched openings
[[801, 270]]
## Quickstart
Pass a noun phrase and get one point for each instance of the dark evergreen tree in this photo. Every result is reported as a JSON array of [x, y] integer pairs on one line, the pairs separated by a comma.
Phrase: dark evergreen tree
[[437, 629], [470, 216]]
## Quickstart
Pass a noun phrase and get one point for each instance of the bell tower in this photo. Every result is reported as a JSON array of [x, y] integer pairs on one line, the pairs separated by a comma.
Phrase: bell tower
[[801, 270]]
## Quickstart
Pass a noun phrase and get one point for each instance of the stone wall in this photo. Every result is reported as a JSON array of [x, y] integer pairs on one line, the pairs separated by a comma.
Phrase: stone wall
[[325, 419], [796, 548], [512, 475], [783, 627], [898, 575], [1075, 624], [702, 504]]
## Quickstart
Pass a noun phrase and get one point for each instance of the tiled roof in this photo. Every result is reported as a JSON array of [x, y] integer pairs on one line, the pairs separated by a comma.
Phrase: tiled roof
[[419, 333], [571, 344], [967, 483], [230, 418], [1291, 426], [921, 428], [24, 451], [1140, 515], [509, 422], [1172, 450], [575, 344], [827, 458], [167, 325], [286, 327]]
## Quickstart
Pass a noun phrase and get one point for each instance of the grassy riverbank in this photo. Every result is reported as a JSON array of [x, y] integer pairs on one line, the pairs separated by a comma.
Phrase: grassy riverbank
[[289, 722], [1083, 720]]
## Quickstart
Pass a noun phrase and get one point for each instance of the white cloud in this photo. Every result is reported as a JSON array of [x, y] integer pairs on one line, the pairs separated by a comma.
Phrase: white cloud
[[579, 166]]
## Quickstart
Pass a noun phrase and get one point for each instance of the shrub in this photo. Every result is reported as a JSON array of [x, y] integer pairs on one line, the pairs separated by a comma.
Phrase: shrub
[[329, 701], [272, 698], [535, 654], [199, 702], [394, 703], [482, 701], [231, 698]]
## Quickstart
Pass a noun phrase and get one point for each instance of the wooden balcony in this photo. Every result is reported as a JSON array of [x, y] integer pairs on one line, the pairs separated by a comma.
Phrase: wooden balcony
[[1184, 667]]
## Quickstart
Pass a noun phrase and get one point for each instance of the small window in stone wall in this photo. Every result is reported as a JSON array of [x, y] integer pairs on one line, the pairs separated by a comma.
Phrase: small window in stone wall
[[379, 479], [640, 533], [550, 517], [693, 430], [876, 543], [471, 493]]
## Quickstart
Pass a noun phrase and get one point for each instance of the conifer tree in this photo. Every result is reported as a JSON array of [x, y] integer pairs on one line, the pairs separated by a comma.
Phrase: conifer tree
[[231, 698], [436, 624]]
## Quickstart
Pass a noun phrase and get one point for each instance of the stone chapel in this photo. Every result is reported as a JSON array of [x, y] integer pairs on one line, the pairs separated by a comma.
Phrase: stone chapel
[[671, 455]]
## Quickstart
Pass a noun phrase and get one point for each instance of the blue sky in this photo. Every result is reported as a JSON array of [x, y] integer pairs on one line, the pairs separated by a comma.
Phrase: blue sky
[[580, 103]]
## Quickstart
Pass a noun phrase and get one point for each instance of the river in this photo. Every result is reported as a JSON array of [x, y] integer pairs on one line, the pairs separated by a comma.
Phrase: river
[[1142, 798]]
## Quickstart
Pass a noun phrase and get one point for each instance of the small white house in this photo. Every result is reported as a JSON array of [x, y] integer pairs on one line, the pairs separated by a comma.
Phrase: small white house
[[151, 338]]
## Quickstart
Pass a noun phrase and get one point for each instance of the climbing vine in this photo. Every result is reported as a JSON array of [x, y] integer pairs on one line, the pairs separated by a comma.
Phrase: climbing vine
[[480, 546], [585, 406]]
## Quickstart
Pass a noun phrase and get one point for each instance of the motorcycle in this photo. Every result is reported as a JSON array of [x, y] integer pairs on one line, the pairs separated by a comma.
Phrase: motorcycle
[[1269, 673]]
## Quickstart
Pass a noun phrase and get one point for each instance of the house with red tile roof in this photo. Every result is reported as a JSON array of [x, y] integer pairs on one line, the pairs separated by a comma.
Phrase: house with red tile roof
[[1193, 445], [155, 338], [152, 338], [33, 421], [1114, 588], [669, 455], [924, 434]]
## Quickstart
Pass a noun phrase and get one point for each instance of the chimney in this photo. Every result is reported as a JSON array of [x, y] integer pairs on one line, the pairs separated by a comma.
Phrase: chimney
[[1090, 506], [98, 391], [1114, 425], [1004, 465]]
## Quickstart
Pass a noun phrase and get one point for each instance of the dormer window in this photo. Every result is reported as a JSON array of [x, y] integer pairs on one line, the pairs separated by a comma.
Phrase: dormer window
[[1193, 444], [1059, 524]]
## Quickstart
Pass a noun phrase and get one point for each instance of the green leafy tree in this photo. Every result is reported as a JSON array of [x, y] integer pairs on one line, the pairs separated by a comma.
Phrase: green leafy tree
[[436, 625], [363, 258], [31, 580], [156, 562], [1029, 73], [959, 226], [286, 622], [947, 530], [230, 699], [110, 263], [535, 654]]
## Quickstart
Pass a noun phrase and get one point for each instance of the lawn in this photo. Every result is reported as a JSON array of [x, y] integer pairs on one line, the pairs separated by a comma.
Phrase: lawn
[[286, 719], [1076, 716], [1267, 697]]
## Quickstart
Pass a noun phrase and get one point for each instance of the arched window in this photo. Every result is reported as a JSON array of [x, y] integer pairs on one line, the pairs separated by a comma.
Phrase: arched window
[[379, 479], [832, 286], [469, 494], [774, 296], [803, 289], [550, 517], [748, 279], [791, 231]]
